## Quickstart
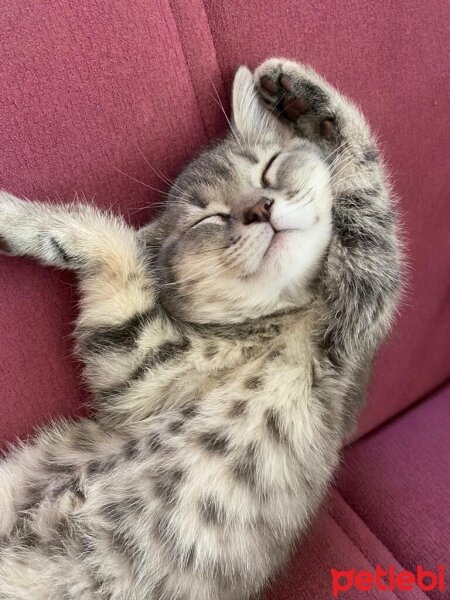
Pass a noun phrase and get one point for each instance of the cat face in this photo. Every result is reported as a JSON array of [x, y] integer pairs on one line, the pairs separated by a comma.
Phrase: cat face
[[247, 222]]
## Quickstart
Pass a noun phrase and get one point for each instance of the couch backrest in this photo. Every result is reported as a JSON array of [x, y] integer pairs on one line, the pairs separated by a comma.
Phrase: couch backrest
[[90, 92]]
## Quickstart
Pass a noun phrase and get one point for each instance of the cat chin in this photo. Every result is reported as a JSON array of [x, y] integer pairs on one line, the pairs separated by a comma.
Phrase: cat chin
[[294, 254]]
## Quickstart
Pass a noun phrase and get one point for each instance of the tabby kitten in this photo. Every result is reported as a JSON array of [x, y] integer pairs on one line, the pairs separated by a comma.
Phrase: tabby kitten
[[226, 343]]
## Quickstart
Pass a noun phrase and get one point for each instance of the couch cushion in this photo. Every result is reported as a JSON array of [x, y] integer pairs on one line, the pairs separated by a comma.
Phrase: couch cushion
[[397, 480], [83, 89], [87, 88], [391, 509], [339, 541]]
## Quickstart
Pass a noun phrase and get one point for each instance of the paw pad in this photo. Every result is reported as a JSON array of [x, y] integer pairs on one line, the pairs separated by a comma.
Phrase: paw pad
[[285, 83], [327, 128], [4, 246], [294, 108], [268, 85], [281, 91], [294, 96]]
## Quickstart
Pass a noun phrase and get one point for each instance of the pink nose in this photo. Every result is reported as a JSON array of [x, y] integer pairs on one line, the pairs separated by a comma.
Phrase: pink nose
[[259, 212]]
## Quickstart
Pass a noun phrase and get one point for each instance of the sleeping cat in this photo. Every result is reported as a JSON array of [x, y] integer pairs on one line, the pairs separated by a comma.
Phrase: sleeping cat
[[227, 345]]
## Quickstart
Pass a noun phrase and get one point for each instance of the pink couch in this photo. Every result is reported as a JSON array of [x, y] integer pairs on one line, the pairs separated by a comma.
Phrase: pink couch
[[86, 86]]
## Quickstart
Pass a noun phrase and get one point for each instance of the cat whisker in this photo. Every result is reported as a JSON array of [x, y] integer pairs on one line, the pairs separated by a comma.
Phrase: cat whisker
[[192, 278], [218, 101], [342, 159], [269, 111], [170, 196], [335, 151], [159, 173]]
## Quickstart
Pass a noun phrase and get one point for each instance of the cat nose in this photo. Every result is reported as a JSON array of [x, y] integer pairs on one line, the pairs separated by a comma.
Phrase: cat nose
[[259, 212]]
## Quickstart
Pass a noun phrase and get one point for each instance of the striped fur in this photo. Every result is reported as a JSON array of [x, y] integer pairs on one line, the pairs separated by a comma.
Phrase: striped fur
[[227, 358]]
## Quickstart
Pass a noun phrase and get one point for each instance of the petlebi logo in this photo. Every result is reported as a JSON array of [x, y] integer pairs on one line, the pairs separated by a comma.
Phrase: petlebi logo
[[387, 580]]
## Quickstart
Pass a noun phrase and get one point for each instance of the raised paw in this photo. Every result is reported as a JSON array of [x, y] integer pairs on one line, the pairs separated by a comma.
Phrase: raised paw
[[298, 95]]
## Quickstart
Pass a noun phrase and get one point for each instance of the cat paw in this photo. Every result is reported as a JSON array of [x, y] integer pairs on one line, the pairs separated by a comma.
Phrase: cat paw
[[5, 247], [298, 95]]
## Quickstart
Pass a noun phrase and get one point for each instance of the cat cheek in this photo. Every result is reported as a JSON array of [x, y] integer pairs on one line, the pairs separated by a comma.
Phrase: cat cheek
[[302, 219]]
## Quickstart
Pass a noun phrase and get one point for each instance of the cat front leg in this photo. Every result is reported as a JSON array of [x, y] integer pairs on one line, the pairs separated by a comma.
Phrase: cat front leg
[[361, 277], [8, 484], [118, 296]]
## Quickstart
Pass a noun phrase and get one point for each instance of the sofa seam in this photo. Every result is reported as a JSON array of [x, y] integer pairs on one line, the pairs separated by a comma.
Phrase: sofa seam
[[188, 66], [428, 395], [356, 545]]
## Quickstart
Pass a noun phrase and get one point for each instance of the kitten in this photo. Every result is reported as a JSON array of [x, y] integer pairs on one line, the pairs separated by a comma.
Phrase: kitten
[[227, 345]]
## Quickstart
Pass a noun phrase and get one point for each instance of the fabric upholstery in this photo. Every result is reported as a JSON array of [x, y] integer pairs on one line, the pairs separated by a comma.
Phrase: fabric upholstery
[[391, 508], [92, 91], [397, 480], [86, 88], [330, 546]]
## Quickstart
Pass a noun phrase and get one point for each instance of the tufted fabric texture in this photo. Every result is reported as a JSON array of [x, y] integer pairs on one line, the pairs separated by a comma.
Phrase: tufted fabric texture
[[91, 91]]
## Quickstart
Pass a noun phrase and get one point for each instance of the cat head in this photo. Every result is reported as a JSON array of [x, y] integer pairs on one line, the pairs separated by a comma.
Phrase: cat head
[[246, 223]]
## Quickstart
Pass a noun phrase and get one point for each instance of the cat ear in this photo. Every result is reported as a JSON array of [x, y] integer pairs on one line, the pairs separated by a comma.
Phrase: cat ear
[[251, 119]]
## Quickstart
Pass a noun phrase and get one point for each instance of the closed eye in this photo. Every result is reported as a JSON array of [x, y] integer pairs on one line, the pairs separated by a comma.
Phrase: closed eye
[[264, 181], [217, 219]]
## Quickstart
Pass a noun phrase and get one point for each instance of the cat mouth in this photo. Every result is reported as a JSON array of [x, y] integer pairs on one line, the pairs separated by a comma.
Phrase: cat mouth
[[275, 239], [285, 230]]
